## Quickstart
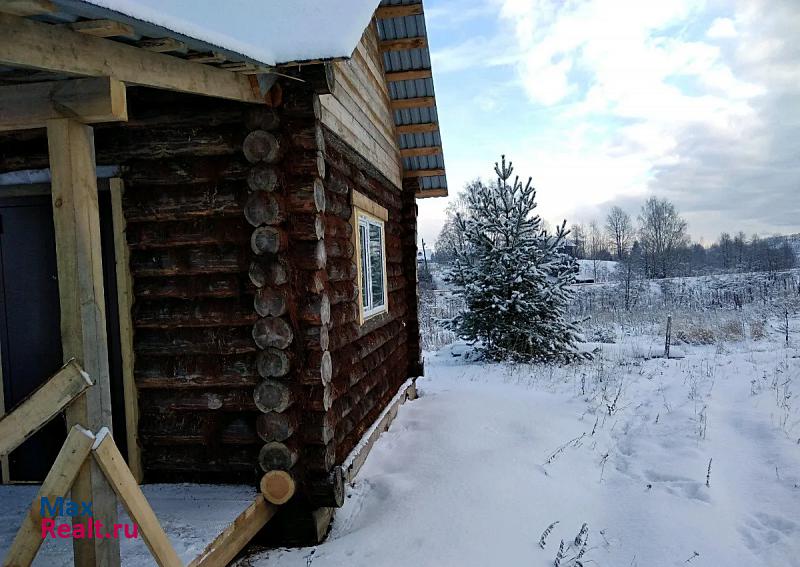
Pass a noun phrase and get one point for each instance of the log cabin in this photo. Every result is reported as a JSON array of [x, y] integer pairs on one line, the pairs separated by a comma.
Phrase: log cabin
[[216, 216]]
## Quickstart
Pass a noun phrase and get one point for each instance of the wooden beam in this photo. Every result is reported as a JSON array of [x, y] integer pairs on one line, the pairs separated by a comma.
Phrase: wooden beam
[[417, 102], [427, 151], [104, 28], [212, 57], [27, 7], [232, 540], [384, 12], [76, 219], [426, 193], [56, 484], [27, 43], [42, 405], [113, 466], [163, 45], [423, 173], [404, 43], [417, 128], [101, 99], [124, 307], [409, 75]]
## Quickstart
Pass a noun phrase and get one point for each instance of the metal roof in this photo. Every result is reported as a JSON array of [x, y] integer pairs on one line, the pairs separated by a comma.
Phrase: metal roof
[[396, 23]]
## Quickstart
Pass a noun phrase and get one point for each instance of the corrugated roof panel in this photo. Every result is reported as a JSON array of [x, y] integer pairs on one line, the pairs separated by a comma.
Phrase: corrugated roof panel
[[394, 60]]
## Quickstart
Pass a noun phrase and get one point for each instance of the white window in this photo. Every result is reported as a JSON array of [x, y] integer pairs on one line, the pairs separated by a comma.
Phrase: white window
[[372, 265]]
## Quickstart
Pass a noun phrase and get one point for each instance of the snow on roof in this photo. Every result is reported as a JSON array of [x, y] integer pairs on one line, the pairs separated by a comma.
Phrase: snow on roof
[[269, 32]]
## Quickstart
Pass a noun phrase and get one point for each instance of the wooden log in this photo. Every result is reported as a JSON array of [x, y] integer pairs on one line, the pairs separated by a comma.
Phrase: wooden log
[[203, 170], [277, 456], [339, 248], [272, 396], [340, 269], [195, 371], [305, 196], [210, 399], [319, 457], [170, 314], [305, 163], [307, 135], [275, 426], [273, 363], [181, 342], [338, 184], [181, 203], [261, 146], [300, 103], [263, 208], [272, 332], [189, 261], [318, 428], [336, 227], [262, 177], [344, 335], [343, 291], [316, 310], [277, 486], [261, 118], [317, 398], [270, 302], [318, 368], [343, 313], [268, 240], [326, 489], [309, 255], [317, 337], [268, 273], [338, 205], [307, 226], [197, 232]]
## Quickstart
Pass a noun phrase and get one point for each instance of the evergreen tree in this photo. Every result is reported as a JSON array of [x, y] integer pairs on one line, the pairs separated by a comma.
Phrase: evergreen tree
[[516, 277]]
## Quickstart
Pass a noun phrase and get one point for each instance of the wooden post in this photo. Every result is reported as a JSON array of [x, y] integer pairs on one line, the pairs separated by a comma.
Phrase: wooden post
[[668, 337], [124, 304], [76, 219]]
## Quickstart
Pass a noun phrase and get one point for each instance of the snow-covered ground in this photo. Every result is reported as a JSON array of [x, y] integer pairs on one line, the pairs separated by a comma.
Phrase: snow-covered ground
[[475, 470], [192, 515]]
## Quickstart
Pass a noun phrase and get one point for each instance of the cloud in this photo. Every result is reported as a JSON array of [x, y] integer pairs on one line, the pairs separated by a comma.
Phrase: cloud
[[722, 28]]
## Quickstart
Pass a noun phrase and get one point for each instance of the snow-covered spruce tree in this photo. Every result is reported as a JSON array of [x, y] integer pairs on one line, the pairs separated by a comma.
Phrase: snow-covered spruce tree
[[514, 277]]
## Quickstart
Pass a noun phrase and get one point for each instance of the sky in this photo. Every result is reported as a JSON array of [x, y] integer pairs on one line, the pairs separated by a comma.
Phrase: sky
[[609, 102]]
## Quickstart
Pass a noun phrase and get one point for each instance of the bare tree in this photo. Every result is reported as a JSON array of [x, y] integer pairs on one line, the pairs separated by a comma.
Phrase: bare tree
[[578, 234], [595, 246], [619, 229], [663, 233]]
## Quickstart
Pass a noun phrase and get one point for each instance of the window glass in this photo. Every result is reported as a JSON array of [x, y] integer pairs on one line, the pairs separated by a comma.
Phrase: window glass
[[364, 241], [376, 263]]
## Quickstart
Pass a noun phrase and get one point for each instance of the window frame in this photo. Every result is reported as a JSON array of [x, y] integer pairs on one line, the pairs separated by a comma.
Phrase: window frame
[[368, 213]]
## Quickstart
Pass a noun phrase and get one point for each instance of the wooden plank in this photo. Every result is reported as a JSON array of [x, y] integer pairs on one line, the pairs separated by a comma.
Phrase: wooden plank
[[104, 28], [76, 219], [426, 193], [398, 11], [358, 457], [417, 128], [163, 45], [100, 99], [27, 43], [427, 151], [404, 43], [232, 540], [409, 75], [56, 484], [42, 405], [368, 206], [113, 466], [423, 173], [212, 57], [125, 300], [416, 102], [27, 7]]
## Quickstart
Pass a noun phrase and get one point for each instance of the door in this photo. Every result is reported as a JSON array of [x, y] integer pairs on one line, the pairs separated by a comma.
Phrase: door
[[30, 334]]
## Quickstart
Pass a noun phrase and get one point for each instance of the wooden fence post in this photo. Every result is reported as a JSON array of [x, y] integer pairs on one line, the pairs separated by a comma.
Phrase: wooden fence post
[[668, 338]]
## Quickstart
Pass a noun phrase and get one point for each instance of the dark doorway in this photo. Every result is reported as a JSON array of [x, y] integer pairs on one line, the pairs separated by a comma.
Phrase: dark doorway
[[30, 335]]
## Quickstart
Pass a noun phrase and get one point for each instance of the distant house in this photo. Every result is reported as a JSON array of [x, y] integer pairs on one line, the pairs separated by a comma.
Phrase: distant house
[[214, 213]]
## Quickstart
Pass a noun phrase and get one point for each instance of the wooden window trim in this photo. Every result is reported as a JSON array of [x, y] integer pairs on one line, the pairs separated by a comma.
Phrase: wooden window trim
[[364, 207]]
